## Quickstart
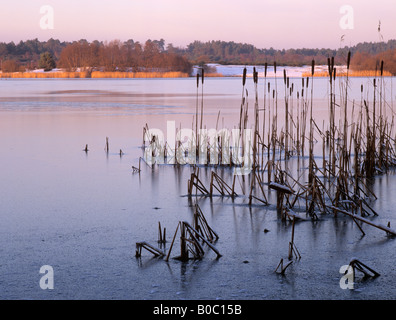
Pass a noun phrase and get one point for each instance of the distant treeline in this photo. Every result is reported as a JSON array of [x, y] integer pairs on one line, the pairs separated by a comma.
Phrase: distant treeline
[[153, 56], [237, 53], [366, 61], [93, 56], [122, 56]]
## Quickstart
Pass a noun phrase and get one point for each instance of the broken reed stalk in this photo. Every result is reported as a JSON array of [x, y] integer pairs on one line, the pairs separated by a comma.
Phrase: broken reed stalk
[[282, 267], [344, 157], [173, 240], [107, 145], [201, 225], [360, 266], [286, 83], [281, 191], [189, 243], [255, 178], [243, 99], [144, 245], [220, 185], [161, 234], [310, 173], [292, 246], [202, 95], [388, 230], [332, 150], [256, 133], [264, 111], [196, 114], [197, 183], [192, 231], [275, 130]]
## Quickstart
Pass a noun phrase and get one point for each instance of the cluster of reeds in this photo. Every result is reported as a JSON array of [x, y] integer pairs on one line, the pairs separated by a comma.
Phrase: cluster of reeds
[[357, 144], [192, 239], [369, 135]]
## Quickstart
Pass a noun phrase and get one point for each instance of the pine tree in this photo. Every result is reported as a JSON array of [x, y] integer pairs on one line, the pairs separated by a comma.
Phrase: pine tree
[[47, 62]]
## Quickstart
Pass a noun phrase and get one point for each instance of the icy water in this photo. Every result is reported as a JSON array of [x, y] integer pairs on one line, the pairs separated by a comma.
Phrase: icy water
[[82, 213]]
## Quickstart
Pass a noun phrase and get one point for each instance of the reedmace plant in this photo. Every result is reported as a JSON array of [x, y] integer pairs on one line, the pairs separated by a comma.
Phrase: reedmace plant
[[221, 147]]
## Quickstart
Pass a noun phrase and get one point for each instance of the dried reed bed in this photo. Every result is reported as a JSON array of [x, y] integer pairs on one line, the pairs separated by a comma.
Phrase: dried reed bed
[[95, 74], [213, 75], [361, 73], [116, 75], [45, 75]]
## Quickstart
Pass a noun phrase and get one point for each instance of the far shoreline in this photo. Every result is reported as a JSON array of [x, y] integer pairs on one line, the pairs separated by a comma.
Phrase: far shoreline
[[91, 75], [168, 74]]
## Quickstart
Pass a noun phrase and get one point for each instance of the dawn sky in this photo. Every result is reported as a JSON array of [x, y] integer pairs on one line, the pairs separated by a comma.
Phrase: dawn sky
[[280, 24]]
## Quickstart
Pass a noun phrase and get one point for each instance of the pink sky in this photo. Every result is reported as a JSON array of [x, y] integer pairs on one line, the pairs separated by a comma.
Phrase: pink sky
[[278, 24]]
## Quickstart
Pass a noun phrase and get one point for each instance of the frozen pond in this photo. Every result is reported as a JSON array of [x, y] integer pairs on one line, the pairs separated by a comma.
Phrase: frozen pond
[[82, 213]]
